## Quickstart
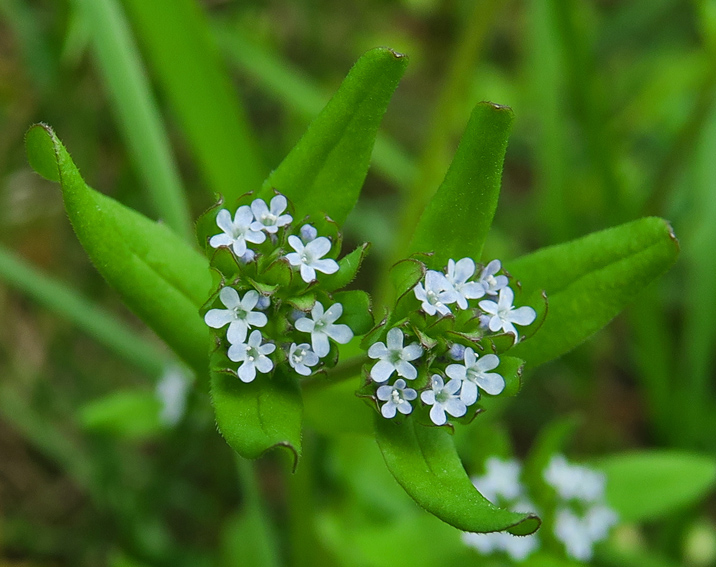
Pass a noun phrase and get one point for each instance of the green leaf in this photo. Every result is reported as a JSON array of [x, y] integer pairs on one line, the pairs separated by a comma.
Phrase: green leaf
[[456, 221], [325, 170], [161, 278], [128, 414], [357, 312], [425, 463], [348, 267], [191, 73], [646, 485], [588, 281], [260, 415], [510, 369]]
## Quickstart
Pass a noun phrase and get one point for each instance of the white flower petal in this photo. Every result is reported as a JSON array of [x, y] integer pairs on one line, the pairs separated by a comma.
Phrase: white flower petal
[[410, 394], [239, 246], [488, 306], [237, 332], [259, 209], [220, 240], [468, 393], [455, 371], [308, 274], [327, 266], [296, 244], [412, 351], [224, 222], [229, 297], [388, 410], [320, 344], [217, 318], [428, 396], [487, 362], [319, 247], [406, 370], [437, 415], [264, 364], [495, 323], [256, 319], [376, 350], [247, 372], [385, 392], [294, 258], [381, 371], [523, 315], [237, 352], [342, 334], [464, 270], [455, 407], [472, 290], [491, 383], [304, 324], [453, 386], [404, 407], [395, 339], [333, 313]]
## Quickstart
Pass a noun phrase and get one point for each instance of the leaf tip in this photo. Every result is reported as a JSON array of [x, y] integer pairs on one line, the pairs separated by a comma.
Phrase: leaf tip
[[41, 148], [527, 526]]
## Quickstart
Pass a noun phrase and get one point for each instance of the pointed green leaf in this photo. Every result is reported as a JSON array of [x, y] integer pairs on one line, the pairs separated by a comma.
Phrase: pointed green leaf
[[588, 281], [325, 170], [161, 278], [646, 485], [348, 267], [425, 463], [456, 221], [260, 415]]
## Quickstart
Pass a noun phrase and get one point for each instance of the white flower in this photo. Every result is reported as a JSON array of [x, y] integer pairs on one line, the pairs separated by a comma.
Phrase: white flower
[[308, 233], [443, 398], [308, 257], [300, 357], [474, 373], [172, 390], [501, 480], [394, 357], [504, 315], [397, 398], [436, 295], [517, 547], [322, 327], [574, 482], [237, 232], [270, 220], [253, 355], [490, 283], [457, 274], [239, 314], [573, 533]]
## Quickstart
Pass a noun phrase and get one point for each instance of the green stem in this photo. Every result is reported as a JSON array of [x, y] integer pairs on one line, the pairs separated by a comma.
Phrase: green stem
[[96, 322], [138, 114]]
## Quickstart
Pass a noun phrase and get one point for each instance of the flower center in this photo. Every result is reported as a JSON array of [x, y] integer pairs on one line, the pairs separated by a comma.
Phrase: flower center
[[240, 313], [298, 355], [442, 396], [268, 219], [395, 356], [396, 396], [433, 297], [252, 354], [319, 325], [491, 281], [306, 257]]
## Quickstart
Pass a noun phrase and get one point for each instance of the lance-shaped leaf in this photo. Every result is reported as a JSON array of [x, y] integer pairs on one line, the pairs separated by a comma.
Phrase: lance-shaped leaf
[[588, 281], [325, 170], [646, 485], [162, 279], [260, 415], [348, 267], [456, 221], [425, 463]]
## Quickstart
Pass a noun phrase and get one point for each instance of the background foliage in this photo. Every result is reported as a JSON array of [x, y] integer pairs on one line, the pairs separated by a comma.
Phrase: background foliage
[[614, 120]]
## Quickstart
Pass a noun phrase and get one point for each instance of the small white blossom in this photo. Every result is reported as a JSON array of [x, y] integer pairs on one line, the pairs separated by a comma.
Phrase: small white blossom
[[253, 355], [443, 398], [321, 327], [270, 220], [579, 534], [475, 373], [308, 233], [457, 351], [309, 257], [501, 480], [490, 283], [504, 316], [574, 482], [457, 274], [397, 398], [300, 357], [172, 391], [239, 314], [237, 232], [394, 357], [436, 295]]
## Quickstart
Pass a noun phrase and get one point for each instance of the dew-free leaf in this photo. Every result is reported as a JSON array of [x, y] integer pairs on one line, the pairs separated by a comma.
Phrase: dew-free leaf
[[456, 221], [425, 463], [162, 279], [646, 485], [588, 281], [325, 170]]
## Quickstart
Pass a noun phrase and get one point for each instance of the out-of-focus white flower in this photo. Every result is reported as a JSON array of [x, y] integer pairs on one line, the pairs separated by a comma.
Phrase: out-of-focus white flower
[[444, 398], [436, 295], [457, 274], [309, 257], [253, 356], [574, 482], [394, 357], [397, 398], [322, 326], [490, 283], [270, 220], [504, 315], [239, 314], [172, 391], [475, 373], [500, 481], [518, 548], [237, 232], [300, 357]]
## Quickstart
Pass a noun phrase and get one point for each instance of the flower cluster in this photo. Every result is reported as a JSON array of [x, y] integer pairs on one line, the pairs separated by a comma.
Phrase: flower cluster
[[580, 519], [270, 315], [449, 374]]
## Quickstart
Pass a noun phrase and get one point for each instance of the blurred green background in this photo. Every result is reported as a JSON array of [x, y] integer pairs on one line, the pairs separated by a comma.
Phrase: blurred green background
[[616, 119]]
